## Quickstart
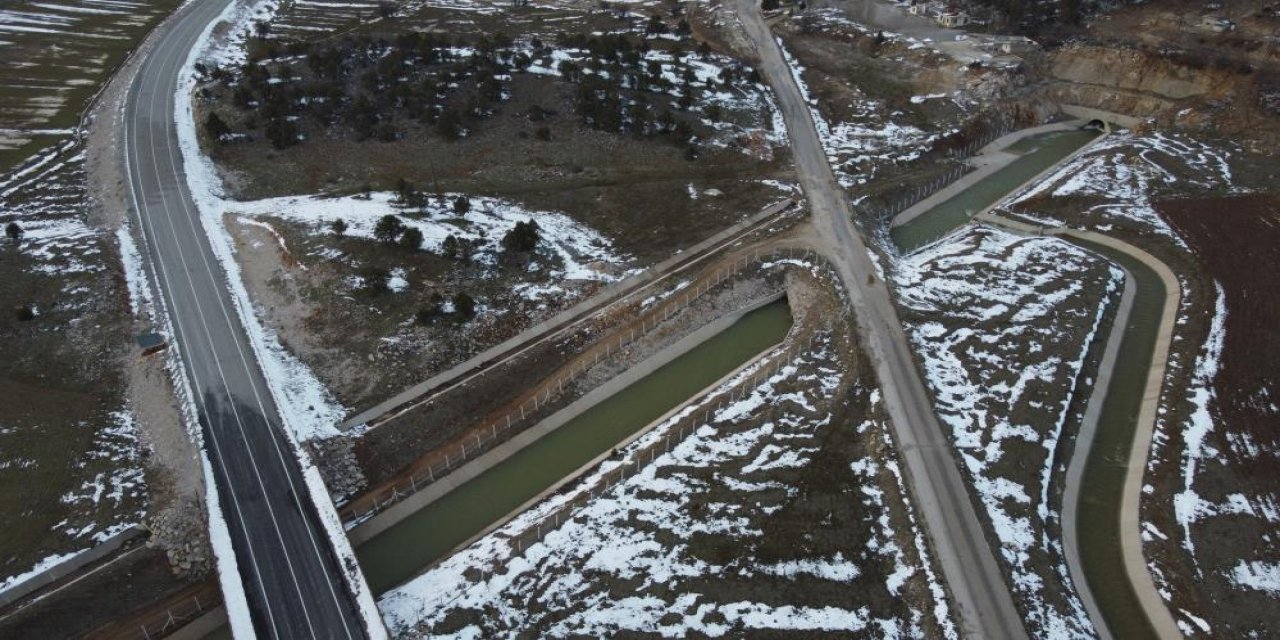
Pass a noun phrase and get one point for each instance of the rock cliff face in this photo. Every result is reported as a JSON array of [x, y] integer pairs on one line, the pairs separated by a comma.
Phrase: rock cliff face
[[1135, 71], [1184, 93]]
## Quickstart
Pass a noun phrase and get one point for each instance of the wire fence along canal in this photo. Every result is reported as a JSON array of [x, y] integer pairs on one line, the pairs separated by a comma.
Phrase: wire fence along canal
[[480, 440]]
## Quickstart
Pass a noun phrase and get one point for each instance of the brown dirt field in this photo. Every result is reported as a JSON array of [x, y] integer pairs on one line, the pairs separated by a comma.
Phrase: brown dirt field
[[1236, 240], [98, 601]]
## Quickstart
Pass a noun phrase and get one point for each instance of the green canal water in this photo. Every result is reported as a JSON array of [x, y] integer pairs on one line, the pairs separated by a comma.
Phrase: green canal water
[[405, 549], [1102, 487], [1036, 153]]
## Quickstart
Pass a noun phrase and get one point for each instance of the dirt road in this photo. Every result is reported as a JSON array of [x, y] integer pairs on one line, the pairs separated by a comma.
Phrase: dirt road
[[985, 606]]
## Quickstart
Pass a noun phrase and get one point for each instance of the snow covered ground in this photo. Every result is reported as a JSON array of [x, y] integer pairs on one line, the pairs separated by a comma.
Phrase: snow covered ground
[[71, 463], [773, 516], [1003, 325], [871, 138], [1123, 174], [580, 250]]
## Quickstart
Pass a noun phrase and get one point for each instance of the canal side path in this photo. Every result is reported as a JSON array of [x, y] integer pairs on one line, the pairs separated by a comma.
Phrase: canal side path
[[564, 321], [1135, 564], [387, 518], [989, 159], [982, 597]]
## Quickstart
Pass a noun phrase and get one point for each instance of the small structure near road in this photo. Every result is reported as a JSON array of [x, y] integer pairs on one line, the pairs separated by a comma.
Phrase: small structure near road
[[1015, 45], [953, 18], [152, 343]]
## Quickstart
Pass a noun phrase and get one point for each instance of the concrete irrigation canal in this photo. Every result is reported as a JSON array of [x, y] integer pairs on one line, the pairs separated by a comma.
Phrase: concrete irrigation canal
[[1032, 156], [428, 535], [1099, 529]]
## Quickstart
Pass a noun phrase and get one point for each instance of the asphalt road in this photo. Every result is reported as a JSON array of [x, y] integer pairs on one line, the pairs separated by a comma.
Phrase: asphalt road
[[976, 582], [290, 572]]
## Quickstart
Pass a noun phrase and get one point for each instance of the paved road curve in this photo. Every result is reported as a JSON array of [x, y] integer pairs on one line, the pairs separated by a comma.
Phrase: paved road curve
[[290, 573], [985, 605]]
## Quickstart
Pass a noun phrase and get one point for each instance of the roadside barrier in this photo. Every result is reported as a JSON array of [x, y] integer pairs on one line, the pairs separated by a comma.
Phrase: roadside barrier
[[908, 197]]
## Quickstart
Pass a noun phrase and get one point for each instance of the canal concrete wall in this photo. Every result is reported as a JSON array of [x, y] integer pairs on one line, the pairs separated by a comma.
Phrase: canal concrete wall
[[444, 485], [534, 403], [69, 566], [561, 321], [1080, 457], [564, 512], [1090, 113], [989, 160], [1130, 517]]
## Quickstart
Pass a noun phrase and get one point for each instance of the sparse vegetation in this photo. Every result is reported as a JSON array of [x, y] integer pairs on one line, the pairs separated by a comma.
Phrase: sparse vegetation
[[522, 238], [389, 229]]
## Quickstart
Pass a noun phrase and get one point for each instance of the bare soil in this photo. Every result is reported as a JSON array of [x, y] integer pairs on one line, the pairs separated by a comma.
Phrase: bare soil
[[62, 375], [1235, 240], [96, 602]]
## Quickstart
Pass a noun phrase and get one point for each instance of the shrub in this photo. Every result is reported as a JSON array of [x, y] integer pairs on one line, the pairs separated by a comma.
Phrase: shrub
[[215, 127], [521, 238], [462, 205], [14, 231], [338, 226], [388, 229], [411, 239], [464, 306], [376, 280]]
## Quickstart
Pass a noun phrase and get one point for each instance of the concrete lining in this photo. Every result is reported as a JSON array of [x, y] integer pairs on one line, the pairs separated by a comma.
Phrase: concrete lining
[[69, 566], [1080, 456], [1130, 518], [441, 487], [594, 462], [989, 160]]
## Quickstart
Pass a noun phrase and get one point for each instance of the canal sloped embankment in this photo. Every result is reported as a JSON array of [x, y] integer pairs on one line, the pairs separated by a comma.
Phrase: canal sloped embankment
[[1106, 543], [1022, 158], [731, 314]]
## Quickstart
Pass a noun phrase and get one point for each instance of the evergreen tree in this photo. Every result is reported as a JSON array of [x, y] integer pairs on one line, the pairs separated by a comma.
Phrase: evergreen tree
[[388, 229], [411, 239], [464, 306]]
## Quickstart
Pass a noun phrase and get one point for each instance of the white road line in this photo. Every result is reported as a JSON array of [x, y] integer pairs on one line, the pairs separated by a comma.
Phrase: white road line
[[209, 338], [140, 207], [249, 371]]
